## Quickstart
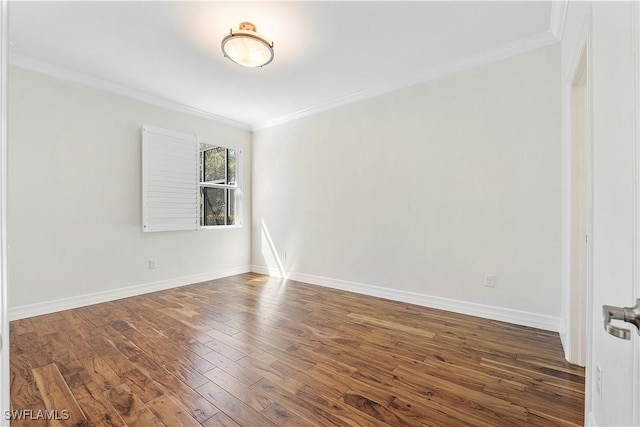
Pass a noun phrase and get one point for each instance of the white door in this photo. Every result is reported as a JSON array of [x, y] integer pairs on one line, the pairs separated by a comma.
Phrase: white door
[[613, 364]]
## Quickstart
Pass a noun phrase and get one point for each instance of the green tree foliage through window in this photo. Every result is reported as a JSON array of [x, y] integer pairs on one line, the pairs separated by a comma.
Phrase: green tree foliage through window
[[218, 185]]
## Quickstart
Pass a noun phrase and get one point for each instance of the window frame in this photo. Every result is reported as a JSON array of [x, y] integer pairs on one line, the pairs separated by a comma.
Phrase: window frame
[[237, 187], [171, 181]]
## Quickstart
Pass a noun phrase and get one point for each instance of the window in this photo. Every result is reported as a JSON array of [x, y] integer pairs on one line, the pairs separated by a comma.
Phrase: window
[[188, 184], [218, 185]]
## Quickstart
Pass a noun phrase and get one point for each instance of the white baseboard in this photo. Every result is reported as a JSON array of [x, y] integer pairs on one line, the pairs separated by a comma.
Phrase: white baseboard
[[485, 311], [23, 311], [524, 318], [268, 271], [564, 341]]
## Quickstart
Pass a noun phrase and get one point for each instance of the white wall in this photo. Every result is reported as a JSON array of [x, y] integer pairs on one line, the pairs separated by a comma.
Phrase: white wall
[[74, 199], [417, 194]]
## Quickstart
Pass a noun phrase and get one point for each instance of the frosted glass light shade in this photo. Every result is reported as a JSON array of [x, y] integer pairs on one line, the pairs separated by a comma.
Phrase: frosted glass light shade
[[246, 47]]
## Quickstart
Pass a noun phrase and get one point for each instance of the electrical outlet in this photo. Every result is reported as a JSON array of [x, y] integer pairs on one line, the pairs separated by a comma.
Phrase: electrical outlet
[[599, 381], [153, 264], [490, 280]]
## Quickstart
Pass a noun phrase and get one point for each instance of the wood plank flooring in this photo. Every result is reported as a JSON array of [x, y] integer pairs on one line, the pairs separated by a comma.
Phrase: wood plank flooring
[[249, 351]]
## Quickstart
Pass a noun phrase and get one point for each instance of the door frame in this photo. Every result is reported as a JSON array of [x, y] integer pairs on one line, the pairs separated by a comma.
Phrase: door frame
[[580, 208], [4, 321], [635, 340], [576, 334]]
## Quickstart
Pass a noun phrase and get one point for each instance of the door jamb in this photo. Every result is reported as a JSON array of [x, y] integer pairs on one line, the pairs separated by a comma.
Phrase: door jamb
[[583, 51], [636, 213], [4, 321]]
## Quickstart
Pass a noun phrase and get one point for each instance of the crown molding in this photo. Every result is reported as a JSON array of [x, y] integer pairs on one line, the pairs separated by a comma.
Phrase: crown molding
[[491, 55], [554, 35], [105, 85], [558, 18]]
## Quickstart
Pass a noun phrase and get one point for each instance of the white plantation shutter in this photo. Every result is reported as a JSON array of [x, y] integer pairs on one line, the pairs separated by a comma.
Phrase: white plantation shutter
[[169, 180]]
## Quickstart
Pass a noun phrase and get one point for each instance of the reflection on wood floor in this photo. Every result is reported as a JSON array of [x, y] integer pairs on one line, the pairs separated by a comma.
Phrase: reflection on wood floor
[[250, 350]]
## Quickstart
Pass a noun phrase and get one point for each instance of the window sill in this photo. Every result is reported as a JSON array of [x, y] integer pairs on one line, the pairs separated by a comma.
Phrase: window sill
[[218, 227]]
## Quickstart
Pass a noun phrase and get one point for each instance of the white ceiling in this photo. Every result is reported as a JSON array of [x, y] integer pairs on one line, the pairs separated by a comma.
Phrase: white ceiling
[[326, 53]]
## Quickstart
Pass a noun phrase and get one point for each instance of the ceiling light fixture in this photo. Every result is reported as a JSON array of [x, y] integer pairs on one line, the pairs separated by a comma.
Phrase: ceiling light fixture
[[246, 47]]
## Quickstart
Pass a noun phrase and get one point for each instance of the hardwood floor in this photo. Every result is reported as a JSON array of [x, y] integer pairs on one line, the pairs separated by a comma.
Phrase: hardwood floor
[[253, 351]]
